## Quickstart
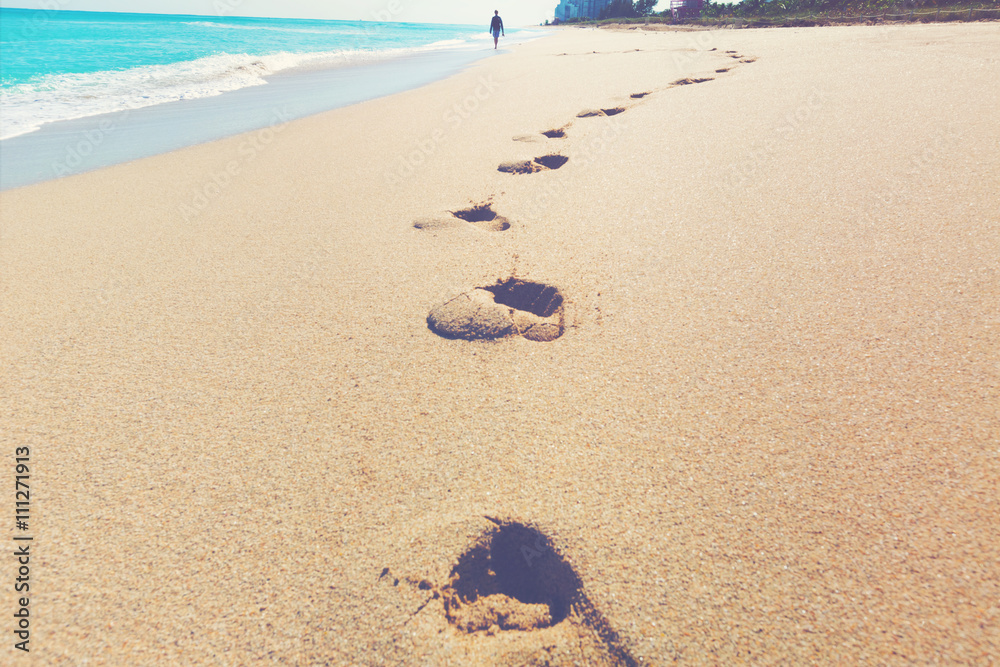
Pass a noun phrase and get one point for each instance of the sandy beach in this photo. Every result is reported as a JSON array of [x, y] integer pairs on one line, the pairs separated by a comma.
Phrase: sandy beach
[[720, 387]]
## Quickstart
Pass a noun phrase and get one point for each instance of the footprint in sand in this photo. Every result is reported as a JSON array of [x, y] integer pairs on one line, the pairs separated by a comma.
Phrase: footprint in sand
[[556, 133], [688, 81], [542, 163], [512, 580], [510, 308], [481, 216], [590, 113], [638, 96]]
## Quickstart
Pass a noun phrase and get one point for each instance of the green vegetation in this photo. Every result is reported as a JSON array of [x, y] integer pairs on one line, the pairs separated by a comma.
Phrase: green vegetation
[[802, 9], [627, 9], [763, 13]]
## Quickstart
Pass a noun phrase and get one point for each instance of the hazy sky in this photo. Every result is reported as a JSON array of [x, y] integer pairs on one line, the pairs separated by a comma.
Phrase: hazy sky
[[514, 12]]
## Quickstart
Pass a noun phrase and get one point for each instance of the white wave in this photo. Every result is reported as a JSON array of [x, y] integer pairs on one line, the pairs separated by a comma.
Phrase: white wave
[[338, 30], [55, 97], [448, 42]]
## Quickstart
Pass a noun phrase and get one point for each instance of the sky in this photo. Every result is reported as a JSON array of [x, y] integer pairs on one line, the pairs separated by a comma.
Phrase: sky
[[513, 12]]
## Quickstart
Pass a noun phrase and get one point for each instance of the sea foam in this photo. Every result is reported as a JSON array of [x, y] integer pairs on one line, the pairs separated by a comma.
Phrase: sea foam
[[54, 97]]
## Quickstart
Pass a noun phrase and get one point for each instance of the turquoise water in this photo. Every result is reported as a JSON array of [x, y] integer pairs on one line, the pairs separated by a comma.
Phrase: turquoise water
[[61, 65]]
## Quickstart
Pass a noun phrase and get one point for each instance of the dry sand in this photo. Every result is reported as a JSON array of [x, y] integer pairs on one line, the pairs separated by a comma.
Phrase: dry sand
[[768, 432]]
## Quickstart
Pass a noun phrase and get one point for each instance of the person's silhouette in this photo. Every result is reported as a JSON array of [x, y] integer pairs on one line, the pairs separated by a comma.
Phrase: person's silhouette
[[496, 27]]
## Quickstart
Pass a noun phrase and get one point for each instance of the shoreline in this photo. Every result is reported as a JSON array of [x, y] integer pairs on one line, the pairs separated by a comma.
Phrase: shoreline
[[742, 406], [80, 145]]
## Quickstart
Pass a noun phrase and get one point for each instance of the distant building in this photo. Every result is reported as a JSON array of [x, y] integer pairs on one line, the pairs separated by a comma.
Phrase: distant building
[[580, 9], [686, 9]]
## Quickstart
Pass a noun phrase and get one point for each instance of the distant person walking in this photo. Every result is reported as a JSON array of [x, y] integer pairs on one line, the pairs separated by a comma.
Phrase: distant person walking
[[496, 27]]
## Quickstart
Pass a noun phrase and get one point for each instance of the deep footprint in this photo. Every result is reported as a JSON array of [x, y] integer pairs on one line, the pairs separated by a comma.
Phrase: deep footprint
[[510, 308], [542, 163], [552, 161], [688, 81], [590, 113], [481, 216], [513, 579], [638, 96], [496, 583], [558, 133], [484, 217]]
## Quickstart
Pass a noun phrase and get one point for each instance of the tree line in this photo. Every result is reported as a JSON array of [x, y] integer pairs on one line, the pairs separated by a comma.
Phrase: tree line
[[627, 9], [776, 8]]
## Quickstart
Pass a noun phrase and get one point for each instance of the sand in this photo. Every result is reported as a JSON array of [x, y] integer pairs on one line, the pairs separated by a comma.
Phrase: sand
[[767, 432]]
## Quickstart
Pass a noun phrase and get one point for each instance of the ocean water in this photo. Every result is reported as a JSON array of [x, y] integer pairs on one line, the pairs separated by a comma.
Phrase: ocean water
[[63, 65]]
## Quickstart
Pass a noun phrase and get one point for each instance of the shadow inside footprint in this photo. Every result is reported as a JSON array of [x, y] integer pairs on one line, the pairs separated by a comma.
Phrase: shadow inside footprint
[[520, 167], [688, 81], [535, 298], [558, 133], [638, 96], [514, 579], [590, 113], [510, 308], [484, 217], [531, 166], [552, 161], [725, 69]]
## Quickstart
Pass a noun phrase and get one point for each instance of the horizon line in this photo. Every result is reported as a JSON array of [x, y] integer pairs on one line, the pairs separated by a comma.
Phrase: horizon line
[[229, 16]]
